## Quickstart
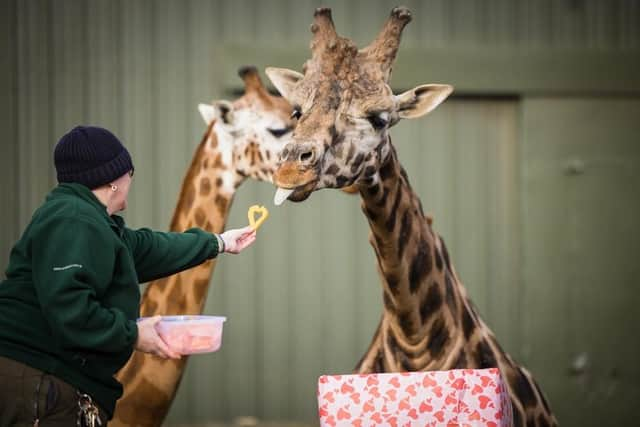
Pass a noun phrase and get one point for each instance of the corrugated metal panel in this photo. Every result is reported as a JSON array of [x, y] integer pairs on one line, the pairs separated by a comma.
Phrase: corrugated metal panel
[[306, 299]]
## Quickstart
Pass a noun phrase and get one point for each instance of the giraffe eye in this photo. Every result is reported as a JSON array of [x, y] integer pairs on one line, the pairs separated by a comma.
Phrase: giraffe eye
[[296, 113], [279, 132], [377, 121]]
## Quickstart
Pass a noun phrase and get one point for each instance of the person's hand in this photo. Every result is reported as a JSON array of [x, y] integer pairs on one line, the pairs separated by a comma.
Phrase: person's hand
[[150, 342], [238, 239]]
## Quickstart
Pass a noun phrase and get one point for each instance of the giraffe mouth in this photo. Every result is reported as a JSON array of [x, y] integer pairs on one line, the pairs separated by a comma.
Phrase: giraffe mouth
[[297, 194]]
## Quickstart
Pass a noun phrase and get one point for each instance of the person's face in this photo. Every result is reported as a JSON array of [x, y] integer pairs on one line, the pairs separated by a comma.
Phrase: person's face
[[119, 197]]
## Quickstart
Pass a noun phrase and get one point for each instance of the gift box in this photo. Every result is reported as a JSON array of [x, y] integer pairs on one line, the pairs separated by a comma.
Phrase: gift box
[[462, 397]]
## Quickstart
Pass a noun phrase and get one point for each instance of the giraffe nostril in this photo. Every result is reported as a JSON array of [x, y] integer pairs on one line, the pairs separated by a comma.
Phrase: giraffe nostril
[[306, 157]]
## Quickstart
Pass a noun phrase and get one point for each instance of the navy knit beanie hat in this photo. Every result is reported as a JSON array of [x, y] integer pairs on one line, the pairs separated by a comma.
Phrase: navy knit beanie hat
[[91, 156]]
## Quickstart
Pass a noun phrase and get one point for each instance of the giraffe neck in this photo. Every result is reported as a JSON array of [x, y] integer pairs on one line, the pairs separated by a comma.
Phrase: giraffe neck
[[205, 198], [423, 300], [428, 323], [419, 284]]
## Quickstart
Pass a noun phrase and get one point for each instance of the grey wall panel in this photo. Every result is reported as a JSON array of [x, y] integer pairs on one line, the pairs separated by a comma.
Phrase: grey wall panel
[[580, 185], [9, 212]]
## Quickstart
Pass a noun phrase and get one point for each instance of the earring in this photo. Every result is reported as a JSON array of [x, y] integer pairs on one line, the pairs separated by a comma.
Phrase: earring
[[114, 187]]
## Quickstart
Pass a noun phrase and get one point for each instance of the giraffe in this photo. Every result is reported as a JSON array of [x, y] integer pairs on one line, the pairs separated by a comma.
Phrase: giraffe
[[241, 141], [344, 108]]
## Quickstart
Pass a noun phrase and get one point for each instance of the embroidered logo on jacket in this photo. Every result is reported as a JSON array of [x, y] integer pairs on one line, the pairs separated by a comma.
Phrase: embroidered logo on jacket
[[66, 267]]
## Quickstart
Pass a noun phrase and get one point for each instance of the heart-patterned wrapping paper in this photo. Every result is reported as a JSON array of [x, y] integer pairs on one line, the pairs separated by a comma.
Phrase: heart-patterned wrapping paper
[[461, 397]]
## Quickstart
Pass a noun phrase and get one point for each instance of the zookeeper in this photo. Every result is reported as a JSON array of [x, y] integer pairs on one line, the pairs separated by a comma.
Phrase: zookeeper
[[70, 300]]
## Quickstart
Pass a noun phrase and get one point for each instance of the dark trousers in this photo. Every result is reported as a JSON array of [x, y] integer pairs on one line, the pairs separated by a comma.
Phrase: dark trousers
[[28, 394]]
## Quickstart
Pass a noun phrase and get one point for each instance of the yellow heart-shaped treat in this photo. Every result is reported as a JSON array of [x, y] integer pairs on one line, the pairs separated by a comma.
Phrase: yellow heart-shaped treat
[[254, 210]]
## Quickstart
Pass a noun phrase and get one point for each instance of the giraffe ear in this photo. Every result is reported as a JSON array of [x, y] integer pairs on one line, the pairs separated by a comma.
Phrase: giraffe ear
[[284, 80], [220, 110], [207, 112], [421, 100]]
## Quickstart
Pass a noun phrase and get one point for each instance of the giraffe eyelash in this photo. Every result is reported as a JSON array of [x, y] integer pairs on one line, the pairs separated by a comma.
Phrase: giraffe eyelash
[[280, 132]]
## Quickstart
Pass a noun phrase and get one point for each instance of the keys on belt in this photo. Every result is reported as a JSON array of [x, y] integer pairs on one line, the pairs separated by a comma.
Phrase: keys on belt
[[88, 413]]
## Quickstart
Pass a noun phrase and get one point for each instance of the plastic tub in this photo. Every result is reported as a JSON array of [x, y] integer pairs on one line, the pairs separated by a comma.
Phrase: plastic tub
[[191, 334]]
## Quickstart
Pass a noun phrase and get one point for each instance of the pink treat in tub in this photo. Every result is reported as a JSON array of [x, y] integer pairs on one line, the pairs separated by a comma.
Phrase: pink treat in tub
[[191, 334]]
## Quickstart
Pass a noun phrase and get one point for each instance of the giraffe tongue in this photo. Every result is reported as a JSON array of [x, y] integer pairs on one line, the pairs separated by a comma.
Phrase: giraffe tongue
[[281, 195]]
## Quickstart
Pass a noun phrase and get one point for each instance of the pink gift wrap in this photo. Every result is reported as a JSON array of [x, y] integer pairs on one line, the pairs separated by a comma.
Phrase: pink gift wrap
[[461, 397]]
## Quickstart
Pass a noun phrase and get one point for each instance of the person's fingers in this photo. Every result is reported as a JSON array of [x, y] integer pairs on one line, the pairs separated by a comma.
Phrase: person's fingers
[[165, 349]]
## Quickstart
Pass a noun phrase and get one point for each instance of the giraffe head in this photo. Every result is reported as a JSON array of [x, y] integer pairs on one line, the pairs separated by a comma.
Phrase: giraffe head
[[344, 108], [249, 132]]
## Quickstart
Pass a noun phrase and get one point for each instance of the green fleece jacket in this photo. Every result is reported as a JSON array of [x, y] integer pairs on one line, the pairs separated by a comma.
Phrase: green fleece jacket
[[71, 298]]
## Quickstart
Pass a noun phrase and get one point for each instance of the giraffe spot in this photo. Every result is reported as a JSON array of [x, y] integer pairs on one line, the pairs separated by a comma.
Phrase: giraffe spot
[[373, 190], [341, 181], [405, 319], [485, 356], [405, 362], [405, 229], [388, 304], [352, 150], [385, 196], [450, 294], [392, 283], [205, 187], [333, 134], [543, 421], [544, 399], [420, 266], [218, 182], [378, 364], [517, 413], [373, 216], [468, 324], [369, 170], [391, 220], [148, 306], [431, 303], [357, 162], [332, 170], [178, 302], [199, 290], [461, 363], [189, 196], [267, 154], [392, 343], [522, 388], [205, 163], [208, 227], [386, 170], [221, 203], [438, 260], [132, 368], [217, 163], [438, 337], [200, 217]]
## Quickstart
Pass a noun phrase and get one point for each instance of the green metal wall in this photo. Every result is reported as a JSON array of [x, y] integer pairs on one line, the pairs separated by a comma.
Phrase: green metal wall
[[305, 300]]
